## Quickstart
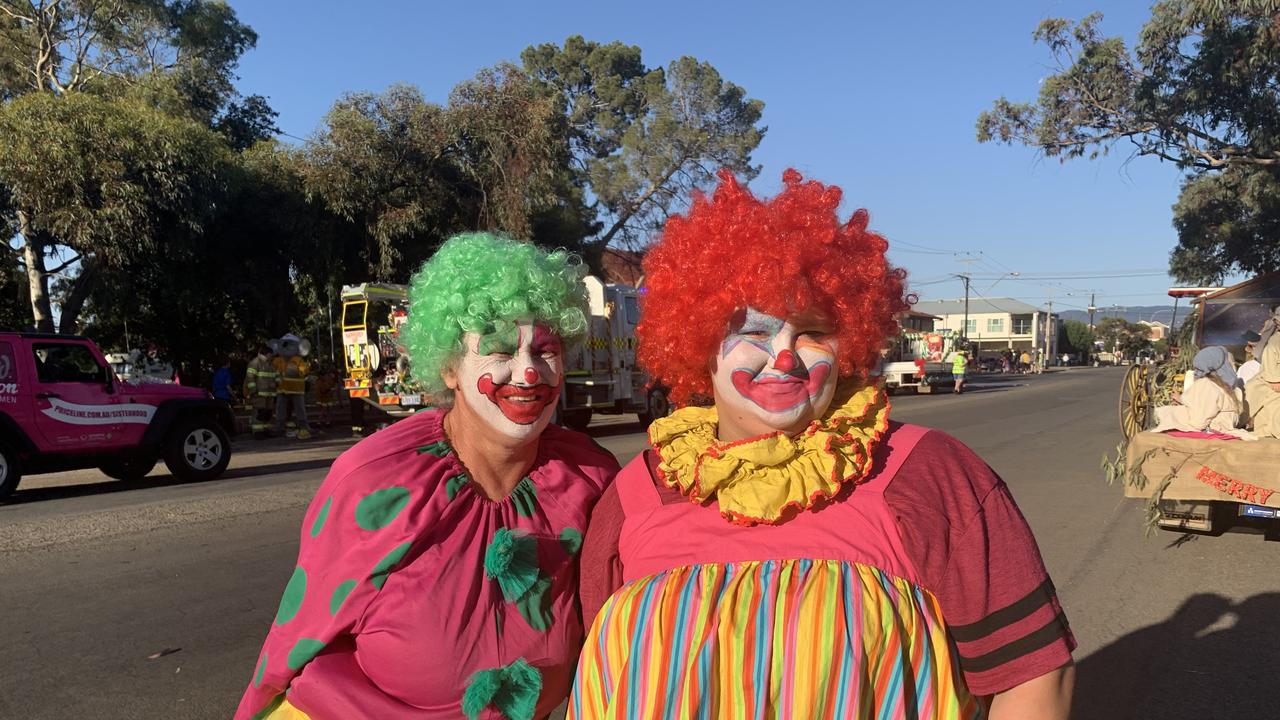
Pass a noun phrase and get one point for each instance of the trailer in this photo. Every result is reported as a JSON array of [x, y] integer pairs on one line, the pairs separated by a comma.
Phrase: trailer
[[920, 361], [1196, 481]]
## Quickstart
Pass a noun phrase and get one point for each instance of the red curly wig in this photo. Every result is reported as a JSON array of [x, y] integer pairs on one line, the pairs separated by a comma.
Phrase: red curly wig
[[783, 256]]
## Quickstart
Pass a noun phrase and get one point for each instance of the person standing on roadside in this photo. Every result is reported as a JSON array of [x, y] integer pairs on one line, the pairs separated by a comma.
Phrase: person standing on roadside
[[260, 381], [958, 365], [222, 381]]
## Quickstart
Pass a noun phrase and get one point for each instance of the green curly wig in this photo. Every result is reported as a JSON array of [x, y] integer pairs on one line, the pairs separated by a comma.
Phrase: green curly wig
[[477, 282]]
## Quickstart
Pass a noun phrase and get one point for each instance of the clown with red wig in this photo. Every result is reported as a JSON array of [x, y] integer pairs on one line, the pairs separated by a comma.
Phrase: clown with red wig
[[789, 552]]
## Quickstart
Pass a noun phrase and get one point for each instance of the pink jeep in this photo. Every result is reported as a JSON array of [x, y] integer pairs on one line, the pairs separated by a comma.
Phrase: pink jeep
[[63, 408]]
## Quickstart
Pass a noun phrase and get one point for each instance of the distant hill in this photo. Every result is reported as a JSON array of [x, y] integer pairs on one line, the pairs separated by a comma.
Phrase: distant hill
[[1145, 313]]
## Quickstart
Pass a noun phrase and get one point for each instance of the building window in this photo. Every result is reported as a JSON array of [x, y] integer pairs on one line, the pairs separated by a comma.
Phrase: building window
[[995, 325], [1022, 326], [970, 326]]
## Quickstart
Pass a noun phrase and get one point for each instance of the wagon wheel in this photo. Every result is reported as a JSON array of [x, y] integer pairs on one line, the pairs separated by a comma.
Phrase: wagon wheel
[[1135, 401]]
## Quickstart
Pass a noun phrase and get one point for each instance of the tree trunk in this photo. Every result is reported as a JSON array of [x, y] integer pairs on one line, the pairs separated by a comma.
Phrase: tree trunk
[[33, 247], [76, 296]]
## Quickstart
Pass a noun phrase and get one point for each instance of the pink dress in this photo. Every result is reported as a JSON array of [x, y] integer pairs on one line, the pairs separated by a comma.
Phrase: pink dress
[[415, 596]]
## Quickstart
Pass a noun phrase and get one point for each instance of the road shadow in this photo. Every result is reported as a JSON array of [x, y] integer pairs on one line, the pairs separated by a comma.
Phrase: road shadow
[[1211, 659], [21, 496]]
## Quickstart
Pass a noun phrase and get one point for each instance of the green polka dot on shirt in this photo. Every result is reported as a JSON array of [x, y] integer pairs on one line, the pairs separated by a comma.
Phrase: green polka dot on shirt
[[303, 651], [378, 576], [262, 669], [380, 507], [293, 595], [318, 525], [340, 594]]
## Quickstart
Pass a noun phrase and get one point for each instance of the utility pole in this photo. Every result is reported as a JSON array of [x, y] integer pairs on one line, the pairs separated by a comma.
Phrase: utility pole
[[1088, 352], [1049, 350], [964, 331]]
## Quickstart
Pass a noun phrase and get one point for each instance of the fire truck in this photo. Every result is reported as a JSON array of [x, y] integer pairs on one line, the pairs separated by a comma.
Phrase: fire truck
[[377, 364], [601, 376]]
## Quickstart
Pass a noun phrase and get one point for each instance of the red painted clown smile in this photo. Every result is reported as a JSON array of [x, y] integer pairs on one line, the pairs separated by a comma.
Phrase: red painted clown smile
[[522, 405], [776, 393]]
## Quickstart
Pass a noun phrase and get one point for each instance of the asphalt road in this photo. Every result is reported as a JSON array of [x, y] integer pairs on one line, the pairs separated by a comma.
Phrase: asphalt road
[[151, 599]]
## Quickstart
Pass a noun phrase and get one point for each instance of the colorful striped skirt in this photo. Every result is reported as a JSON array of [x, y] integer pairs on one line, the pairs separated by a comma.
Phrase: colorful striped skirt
[[771, 639]]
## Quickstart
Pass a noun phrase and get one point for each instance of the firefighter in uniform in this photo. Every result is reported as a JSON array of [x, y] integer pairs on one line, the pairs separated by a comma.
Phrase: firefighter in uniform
[[291, 402], [260, 390]]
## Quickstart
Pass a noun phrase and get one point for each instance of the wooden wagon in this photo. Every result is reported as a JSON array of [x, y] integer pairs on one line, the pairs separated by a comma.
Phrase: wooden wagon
[[1194, 483]]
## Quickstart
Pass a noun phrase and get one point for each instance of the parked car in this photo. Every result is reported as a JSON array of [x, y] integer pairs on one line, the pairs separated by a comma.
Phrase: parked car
[[63, 408]]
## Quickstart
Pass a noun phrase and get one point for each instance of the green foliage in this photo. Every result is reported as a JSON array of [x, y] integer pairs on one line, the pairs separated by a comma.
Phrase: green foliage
[[264, 263], [67, 47], [1227, 220], [99, 174], [1076, 337], [247, 123], [1120, 335], [1119, 470], [1201, 90], [412, 173], [642, 139], [105, 132]]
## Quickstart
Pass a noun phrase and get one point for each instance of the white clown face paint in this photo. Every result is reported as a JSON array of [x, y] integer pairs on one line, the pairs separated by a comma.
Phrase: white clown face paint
[[510, 378], [773, 374]]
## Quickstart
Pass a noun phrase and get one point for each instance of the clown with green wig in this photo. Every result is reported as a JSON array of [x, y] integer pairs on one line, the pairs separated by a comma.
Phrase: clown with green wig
[[437, 573]]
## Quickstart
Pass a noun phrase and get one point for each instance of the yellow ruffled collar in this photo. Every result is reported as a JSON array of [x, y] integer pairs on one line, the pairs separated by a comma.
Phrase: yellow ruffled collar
[[756, 481]]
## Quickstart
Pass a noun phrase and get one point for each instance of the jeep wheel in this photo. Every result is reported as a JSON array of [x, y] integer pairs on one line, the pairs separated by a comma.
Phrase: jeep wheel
[[10, 471], [659, 407], [197, 449], [128, 468]]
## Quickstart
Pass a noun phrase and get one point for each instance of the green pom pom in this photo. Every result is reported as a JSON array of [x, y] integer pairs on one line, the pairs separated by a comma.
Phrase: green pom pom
[[481, 691], [571, 540], [514, 690], [512, 560], [534, 605]]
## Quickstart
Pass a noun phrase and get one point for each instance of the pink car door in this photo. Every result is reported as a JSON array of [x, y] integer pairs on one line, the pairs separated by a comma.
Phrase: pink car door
[[73, 410], [15, 397]]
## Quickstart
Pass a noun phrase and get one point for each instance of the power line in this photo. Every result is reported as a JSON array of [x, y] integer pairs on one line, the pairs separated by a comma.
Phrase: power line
[[1086, 275], [920, 247]]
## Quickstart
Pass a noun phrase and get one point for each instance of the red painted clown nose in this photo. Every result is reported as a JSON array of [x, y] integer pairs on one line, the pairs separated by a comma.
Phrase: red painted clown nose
[[531, 376], [785, 362]]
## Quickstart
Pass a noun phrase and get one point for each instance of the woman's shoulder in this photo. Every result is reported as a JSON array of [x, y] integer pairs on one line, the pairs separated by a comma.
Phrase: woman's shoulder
[[412, 447], [941, 474]]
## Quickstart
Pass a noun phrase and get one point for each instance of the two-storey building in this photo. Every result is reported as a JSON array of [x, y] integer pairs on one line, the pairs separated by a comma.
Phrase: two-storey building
[[995, 324]]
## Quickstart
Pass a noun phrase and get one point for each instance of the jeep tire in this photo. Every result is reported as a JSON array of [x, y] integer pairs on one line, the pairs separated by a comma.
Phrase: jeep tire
[[133, 468], [10, 470], [658, 407], [197, 448]]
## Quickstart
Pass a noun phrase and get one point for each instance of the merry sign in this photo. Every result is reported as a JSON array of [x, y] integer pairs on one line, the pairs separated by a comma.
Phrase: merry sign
[[1248, 492]]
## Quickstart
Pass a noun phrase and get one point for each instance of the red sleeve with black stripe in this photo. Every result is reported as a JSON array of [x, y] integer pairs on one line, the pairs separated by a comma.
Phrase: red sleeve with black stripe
[[976, 553]]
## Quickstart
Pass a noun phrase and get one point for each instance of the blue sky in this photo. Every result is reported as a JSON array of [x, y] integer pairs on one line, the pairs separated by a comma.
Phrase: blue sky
[[879, 98]]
